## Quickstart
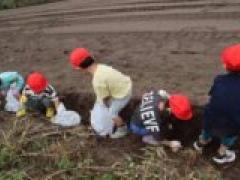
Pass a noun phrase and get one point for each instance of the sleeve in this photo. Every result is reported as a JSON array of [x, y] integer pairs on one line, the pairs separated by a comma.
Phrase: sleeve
[[51, 92], [27, 91], [212, 89], [19, 81], [135, 116], [23, 97]]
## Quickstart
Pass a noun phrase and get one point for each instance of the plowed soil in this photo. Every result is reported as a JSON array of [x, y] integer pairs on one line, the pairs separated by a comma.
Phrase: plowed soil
[[169, 44]]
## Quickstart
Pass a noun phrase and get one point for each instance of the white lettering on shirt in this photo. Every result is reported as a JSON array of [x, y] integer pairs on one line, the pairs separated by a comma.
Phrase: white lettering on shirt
[[147, 113]]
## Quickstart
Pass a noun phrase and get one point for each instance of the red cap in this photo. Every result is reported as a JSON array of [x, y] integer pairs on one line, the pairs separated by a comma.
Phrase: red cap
[[37, 82], [231, 57], [181, 107], [78, 55]]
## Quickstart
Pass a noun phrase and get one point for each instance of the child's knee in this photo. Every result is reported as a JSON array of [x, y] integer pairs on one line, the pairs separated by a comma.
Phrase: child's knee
[[118, 121], [47, 102]]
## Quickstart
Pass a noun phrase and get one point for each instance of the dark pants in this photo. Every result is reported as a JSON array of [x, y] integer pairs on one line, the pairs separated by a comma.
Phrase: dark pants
[[38, 104]]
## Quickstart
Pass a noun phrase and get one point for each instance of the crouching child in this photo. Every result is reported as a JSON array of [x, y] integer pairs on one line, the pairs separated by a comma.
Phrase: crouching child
[[13, 81], [113, 91], [38, 95], [157, 115], [222, 113]]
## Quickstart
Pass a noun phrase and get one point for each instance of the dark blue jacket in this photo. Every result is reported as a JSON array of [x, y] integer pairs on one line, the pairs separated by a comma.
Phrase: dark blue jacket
[[222, 113]]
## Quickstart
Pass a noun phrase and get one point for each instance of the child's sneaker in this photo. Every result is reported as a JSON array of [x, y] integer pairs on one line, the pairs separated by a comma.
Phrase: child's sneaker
[[21, 113], [49, 112], [198, 146], [228, 157], [120, 132], [149, 139]]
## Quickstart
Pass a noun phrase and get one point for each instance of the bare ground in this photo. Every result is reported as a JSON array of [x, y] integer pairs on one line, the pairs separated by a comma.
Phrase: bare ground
[[167, 44]]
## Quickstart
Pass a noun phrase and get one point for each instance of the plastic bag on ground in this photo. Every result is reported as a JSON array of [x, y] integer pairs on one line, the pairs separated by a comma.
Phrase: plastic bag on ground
[[66, 118], [12, 104], [101, 120]]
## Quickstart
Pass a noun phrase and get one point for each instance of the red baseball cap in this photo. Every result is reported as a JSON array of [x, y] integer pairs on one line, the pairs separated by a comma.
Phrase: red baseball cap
[[78, 55], [231, 57], [37, 82], [180, 107]]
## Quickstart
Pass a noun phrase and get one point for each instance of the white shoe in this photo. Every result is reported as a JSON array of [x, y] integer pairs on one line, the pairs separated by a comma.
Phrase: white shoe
[[149, 139], [198, 146], [119, 133], [228, 157]]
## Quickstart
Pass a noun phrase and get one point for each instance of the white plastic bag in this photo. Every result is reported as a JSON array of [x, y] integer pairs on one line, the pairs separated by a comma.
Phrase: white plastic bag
[[66, 118], [12, 104], [101, 120]]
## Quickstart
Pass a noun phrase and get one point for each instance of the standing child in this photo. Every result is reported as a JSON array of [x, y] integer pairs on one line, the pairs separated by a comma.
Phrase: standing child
[[222, 113], [38, 95], [157, 116], [112, 89]]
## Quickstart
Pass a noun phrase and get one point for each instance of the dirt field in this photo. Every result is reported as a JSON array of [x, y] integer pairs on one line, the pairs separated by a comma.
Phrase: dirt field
[[170, 44]]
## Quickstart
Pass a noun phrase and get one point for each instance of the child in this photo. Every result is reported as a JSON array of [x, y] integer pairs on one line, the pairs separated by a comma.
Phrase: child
[[11, 79], [38, 95], [112, 89], [221, 115], [157, 115]]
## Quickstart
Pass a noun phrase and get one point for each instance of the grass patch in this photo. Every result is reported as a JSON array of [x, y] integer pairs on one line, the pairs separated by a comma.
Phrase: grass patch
[[7, 158], [12, 175], [31, 147]]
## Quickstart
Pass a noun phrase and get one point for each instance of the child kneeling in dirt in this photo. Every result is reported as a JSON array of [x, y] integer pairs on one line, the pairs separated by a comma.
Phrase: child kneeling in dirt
[[157, 115], [38, 95], [113, 91], [11, 80], [221, 115]]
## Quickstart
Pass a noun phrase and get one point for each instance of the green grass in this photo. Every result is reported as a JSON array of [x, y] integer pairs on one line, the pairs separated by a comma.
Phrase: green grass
[[7, 158], [9, 4], [12, 175]]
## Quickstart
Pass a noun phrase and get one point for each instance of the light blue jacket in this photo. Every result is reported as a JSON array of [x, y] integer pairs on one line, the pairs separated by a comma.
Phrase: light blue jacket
[[8, 78]]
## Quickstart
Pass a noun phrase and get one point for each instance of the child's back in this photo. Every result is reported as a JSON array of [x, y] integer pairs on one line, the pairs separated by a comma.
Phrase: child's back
[[224, 105], [221, 115]]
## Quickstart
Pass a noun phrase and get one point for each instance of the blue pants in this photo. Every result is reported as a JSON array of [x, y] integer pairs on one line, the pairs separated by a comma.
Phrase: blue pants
[[225, 140], [141, 131]]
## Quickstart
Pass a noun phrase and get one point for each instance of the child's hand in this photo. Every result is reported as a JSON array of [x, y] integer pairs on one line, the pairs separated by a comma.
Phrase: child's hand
[[56, 102], [163, 93], [149, 139], [106, 101], [175, 146], [2, 93], [118, 121], [23, 99]]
